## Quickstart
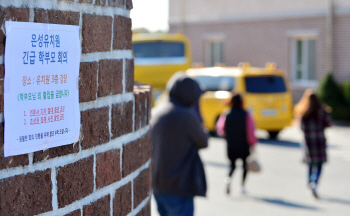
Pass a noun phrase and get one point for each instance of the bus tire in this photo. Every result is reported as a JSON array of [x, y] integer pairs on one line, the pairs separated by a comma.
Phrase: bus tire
[[273, 134]]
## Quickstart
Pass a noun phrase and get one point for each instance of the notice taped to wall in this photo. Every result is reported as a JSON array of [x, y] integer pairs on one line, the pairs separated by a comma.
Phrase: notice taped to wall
[[41, 97]]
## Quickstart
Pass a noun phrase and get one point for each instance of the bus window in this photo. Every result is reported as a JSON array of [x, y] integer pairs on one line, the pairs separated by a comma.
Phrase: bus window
[[265, 84], [158, 49], [220, 83]]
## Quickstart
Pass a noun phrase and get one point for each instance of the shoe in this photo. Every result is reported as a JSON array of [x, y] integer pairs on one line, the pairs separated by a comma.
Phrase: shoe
[[313, 186], [228, 185], [314, 193], [227, 189]]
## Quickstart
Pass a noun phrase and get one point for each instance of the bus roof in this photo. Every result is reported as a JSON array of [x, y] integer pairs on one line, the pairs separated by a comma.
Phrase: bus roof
[[138, 37], [232, 71]]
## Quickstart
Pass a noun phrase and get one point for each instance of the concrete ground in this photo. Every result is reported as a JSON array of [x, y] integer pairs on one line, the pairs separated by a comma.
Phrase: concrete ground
[[280, 189]]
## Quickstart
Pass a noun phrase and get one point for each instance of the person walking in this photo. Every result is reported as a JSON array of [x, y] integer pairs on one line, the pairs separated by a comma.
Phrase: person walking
[[177, 135], [314, 119], [238, 128]]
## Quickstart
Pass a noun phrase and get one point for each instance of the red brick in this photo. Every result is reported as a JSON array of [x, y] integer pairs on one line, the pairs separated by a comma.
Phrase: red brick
[[28, 194], [139, 90], [97, 33], [140, 149], [116, 3], [129, 75], [14, 14], [146, 147], [149, 103], [129, 4], [122, 33], [74, 213], [75, 181], [142, 186], [56, 17], [140, 109], [2, 87], [145, 211], [2, 74], [107, 168], [147, 89], [55, 152], [122, 119], [95, 129], [122, 201], [110, 77], [100, 207], [130, 153], [1, 103], [88, 81], [137, 98], [2, 43], [12, 161]]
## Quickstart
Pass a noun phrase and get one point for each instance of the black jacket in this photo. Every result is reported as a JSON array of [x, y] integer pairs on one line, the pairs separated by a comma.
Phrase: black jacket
[[236, 134], [177, 136]]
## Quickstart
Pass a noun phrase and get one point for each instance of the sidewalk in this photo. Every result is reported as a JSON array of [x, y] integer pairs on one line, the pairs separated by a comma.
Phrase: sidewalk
[[281, 188]]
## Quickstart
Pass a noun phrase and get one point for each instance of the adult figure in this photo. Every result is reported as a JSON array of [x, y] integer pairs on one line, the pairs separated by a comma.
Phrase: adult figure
[[238, 128], [314, 119], [177, 135]]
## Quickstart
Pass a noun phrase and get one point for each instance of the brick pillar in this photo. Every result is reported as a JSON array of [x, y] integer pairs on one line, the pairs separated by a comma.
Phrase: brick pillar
[[107, 172]]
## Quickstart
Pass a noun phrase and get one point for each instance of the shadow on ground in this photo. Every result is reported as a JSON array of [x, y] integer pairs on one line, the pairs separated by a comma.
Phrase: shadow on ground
[[286, 203], [283, 143], [335, 200], [216, 164], [286, 143]]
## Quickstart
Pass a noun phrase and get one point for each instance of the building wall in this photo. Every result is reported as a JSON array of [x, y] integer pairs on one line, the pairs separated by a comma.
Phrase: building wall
[[107, 172], [260, 39], [249, 9]]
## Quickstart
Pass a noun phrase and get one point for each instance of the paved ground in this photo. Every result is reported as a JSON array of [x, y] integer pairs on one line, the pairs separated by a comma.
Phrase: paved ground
[[280, 189]]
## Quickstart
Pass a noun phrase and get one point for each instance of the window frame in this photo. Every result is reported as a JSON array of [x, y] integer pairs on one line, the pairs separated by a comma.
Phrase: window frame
[[209, 39], [303, 36]]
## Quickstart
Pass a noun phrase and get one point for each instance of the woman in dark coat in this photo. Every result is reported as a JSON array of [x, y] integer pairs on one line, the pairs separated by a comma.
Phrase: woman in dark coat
[[314, 119], [177, 136]]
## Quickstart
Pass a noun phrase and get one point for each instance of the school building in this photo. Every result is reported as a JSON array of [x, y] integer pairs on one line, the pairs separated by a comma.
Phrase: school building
[[305, 38]]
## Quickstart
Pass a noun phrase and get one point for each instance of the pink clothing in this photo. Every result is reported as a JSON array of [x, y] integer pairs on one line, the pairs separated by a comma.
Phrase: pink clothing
[[220, 125], [251, 138], [250, 128]]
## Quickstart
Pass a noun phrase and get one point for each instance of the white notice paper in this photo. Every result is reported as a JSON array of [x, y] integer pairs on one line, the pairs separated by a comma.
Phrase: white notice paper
[[41, 94]]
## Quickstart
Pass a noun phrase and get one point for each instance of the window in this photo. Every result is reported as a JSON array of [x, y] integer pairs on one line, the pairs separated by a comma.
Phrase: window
[[305, 60], [158, 49], [216, 52], [220, 83], [265, 84]]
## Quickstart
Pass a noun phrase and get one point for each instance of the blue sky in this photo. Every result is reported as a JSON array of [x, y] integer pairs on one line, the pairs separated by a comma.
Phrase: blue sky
[[150, 14]]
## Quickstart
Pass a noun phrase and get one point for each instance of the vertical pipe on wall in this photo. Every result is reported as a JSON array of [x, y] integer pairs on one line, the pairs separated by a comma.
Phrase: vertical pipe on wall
[[182, 13], [329, 23]]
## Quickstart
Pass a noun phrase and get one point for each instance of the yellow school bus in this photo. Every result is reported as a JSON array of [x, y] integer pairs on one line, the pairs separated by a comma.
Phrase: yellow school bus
[[266, 94], [158, 56]]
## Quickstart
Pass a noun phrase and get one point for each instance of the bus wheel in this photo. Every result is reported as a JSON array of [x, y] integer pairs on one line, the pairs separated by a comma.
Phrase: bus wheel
[[273, 134], [214, 133]]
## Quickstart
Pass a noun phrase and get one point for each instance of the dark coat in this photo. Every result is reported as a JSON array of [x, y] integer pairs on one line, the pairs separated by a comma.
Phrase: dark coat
[[236, 134], [315, 139], [177, 136]]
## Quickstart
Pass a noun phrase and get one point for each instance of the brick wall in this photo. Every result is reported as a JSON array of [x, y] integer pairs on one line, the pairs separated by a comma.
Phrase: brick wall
[[107, 172]]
